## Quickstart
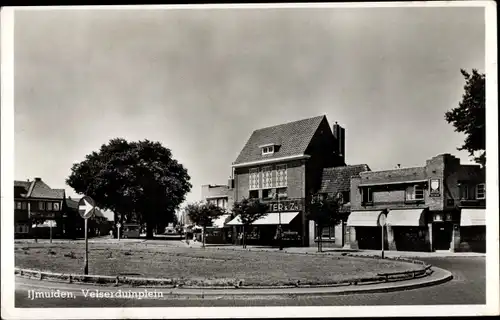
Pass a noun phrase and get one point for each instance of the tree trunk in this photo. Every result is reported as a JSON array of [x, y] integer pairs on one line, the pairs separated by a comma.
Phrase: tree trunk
[[149, 230], [243, 237], [203, 237], [319, 237]]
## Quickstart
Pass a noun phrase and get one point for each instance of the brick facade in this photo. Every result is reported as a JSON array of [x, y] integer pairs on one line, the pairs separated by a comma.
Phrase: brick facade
[[434, 189]]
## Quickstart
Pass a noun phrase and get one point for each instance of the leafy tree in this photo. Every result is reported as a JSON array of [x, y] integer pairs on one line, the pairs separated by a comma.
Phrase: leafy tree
[[203, 214], [324, 211], [249, 211], [138, 181], [470, 115]]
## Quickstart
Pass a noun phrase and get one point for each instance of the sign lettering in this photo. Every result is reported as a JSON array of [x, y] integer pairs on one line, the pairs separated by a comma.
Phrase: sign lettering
[[285, 205]]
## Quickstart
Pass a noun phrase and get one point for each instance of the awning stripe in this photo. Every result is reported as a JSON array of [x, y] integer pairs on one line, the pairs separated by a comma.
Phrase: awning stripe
[[473, 217], [272, 218], [407, 218], [364, 218]]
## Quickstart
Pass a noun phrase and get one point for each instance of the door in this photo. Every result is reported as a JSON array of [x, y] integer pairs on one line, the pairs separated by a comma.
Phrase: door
[[442, 235]]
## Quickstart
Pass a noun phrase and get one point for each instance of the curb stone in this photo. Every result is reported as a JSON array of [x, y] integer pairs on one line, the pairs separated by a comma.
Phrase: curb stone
[[230, 283]]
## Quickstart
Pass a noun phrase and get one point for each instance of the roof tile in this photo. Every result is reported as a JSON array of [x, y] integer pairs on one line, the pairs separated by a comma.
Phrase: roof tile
[[338, 179], [293, 138]]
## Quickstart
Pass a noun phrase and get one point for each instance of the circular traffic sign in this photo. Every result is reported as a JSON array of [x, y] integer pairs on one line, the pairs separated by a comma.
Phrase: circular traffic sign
[[381, 220], [86, 207]]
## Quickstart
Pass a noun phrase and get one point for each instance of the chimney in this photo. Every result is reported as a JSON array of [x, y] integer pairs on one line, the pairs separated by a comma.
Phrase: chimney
[[28, 180], [38, 179], [230, 183], [339, 134]]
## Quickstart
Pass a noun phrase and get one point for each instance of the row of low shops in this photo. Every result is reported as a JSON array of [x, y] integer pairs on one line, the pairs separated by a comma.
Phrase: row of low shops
[[402, 230], [438, 206], [418, 230]]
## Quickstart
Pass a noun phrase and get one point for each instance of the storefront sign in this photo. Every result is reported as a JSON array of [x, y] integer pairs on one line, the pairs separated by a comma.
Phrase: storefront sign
[[285, 205], [435, 188]]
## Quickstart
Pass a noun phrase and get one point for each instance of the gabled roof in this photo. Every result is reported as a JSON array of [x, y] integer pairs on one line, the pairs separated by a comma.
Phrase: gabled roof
[[39, 189], [293, 139], [338, 179]]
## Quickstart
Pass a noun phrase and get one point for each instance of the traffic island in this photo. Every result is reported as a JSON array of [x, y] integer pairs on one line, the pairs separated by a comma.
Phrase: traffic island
[[141, 266]]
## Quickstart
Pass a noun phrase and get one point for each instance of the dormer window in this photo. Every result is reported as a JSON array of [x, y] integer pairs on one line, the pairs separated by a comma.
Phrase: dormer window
[[267, 149]]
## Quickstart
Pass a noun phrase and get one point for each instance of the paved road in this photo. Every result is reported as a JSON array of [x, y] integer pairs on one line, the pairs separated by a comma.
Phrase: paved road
[[467, 287]]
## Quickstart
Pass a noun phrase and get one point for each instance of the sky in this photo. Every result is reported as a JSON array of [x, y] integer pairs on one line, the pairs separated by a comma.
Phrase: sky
[[200, 81]]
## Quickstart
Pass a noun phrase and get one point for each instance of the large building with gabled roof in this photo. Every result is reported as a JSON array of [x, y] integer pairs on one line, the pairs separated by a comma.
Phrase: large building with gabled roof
[[284, 165]]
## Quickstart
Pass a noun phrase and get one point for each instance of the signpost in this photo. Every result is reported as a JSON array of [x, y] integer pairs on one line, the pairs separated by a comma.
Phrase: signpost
[[86, 208], [51, 224], [382, 221]]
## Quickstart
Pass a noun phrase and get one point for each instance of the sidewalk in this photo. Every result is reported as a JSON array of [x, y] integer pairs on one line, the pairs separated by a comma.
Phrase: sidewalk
[[337, 251]]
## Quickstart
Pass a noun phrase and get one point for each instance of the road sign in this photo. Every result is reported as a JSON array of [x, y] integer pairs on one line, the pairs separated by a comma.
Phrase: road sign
[[381, 220], [118, 225], [86, 207]]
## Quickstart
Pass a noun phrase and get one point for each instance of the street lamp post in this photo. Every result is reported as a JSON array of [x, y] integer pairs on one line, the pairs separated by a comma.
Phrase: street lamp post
[[280, 235]]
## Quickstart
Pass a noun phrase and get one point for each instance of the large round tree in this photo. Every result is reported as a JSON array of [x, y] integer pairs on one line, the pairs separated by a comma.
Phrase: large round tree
[[138, 181]]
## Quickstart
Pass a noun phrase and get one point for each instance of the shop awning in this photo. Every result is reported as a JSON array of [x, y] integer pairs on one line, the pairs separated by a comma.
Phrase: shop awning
[[220, 221], [272, 218], [364, 218], [473, 217], [406, 218]]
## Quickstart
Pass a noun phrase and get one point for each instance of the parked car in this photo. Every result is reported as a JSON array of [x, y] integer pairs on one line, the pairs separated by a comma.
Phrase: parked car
[[131, 230]]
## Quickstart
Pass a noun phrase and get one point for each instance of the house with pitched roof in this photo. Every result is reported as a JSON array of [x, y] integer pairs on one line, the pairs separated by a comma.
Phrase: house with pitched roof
[[438, 206], [284, 165], [36, 207]]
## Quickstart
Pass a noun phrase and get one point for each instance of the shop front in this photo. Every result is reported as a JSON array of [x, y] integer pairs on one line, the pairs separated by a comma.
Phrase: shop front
[[219, 233], [473, 230], [266, 230], [407, 230], [365, 231]]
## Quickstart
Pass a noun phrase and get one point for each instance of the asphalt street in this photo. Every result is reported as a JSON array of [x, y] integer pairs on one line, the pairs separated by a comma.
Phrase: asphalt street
[[467, 287]]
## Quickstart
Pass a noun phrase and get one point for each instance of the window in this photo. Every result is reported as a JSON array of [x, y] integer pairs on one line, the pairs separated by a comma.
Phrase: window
[[415, 193], [253, 194], [267, 177], [281, 175], [267, 193], [327, 233], [282, 192], [41, 205], [24, 205], [464, 192], [253, 179], [367, 195], [56, 206], [480, 191], [19, 205], [268, 150], [346, 196], [419, 192], [49, 206]]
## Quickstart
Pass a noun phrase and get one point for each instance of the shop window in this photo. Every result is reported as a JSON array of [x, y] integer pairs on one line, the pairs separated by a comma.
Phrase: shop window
[[464, 192], [41, 205], [480, 191], [281, 175], [254, 179], [253, 194], [49, 206], [367, 195]]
